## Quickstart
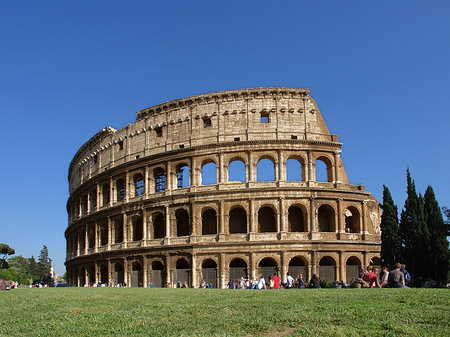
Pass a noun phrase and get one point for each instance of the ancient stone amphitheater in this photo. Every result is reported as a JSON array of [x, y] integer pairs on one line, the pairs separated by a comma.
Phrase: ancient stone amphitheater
[[216, 187]]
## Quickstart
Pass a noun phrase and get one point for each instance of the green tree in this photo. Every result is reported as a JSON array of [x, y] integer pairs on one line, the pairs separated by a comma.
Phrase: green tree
[[44, 266], [21, 266], [438, 262], [390, 240], [414, 234], [5, 251]]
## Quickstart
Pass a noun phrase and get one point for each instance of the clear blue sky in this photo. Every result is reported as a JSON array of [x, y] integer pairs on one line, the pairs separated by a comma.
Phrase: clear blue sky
[[379, 71]]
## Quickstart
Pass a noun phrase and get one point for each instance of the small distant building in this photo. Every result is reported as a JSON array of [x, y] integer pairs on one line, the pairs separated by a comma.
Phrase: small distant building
[[220, 186]]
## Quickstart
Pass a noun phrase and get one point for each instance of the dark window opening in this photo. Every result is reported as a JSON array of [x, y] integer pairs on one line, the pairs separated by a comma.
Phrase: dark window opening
[[237, 139], [207, 122], [160, 181], [120, 145], [293, 137], [265, 117], [158, 132]]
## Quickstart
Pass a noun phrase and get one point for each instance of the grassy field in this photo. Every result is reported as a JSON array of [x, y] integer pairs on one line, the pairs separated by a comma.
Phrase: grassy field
[[214, 312]]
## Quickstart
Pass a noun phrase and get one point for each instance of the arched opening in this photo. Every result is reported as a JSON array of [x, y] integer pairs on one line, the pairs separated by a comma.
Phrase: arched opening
[[159, 226], [91, 236], [293, 170], [236, 171], [93, 200], [136, 223], [209, 273], [297, 266], [352, 220], [118, 274], [160, 180], [375, 262], [323, 170], [326, 219], [209, 173], [296, 219], [157, 276], [183, 226], [84, 199], [136, 275], [266, 220], [327, 269], [103, 274], [238, 221], [238, 269], [118, 229], [265, 170], [105, 195], [82, 277], [139, 187], [103, 233], [353, 265], [182, 175], [267, 267], [91, 275], [181, 273], [209, 222], [120, 188]]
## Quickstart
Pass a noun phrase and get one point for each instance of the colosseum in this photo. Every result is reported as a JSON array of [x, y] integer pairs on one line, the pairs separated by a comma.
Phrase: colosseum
[[226, 185]]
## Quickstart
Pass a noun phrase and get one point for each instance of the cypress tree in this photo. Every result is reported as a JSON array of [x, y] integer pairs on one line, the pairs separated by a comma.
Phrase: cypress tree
[[414, 234], [390, 240], [438, 262]]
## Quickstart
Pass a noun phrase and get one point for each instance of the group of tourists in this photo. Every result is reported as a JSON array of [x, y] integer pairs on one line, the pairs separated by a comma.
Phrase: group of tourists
[[398, 277], [273, 282]]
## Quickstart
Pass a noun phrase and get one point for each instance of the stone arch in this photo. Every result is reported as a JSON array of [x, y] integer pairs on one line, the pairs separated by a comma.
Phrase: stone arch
[[82, 277], [182, 271], [91, 275], [209, 172], [103, 274], [120, 189], [352, 220], [137, 228], [324, 169], [157, 275], [209, 272], [91, 236], [183, 175], [327, 268], [326, 218], [136, 274], [139, 184], [267, 220], [267, 267], [105, 195], [209, 221], [352, 266], [265, 169], [103, 225], [237, 170], [295, 169], [238, 269], [183, 222], [93, 199], [298, 265], [237, 220], [118, 229], [118, 273], [375, 261], [159, 225], [296, 219], [159, 175]]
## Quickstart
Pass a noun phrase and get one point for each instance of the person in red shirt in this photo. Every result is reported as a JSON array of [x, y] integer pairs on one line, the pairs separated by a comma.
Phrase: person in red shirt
[[276, 281], [371, 278]]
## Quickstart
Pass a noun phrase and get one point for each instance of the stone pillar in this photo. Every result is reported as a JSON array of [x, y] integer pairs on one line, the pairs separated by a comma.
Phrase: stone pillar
[[96, 236], [251, 217], [168, 269], [146, 185], [283, 223], [110, 277], [311, 167], [96, 272], [364, 219], [312, 216], [342, 268], [127, 186], [281, 167], [86, 239], [221, 179], [111, 191], [167, 218], [253, 266], [194, 283], [98, 195], [125, 272], [222, 272], [314, 263], [337, 160], [221, 221], [340, 216], [144, 226], [284, 267], [125, 230], [109, 232], [145, 271]]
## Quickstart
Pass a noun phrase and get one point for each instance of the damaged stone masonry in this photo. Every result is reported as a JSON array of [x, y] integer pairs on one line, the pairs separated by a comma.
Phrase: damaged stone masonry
[[142, 209]]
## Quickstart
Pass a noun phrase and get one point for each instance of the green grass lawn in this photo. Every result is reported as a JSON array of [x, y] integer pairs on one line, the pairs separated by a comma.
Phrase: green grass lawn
[[214, 312]]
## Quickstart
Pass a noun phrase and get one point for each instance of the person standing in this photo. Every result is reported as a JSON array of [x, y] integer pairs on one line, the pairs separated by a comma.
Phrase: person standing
[[314, 282], [300, 281], [276, 281], [290, 281]]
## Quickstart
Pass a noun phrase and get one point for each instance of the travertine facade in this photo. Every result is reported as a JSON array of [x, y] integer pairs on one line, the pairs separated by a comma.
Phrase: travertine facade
[[179, 195]]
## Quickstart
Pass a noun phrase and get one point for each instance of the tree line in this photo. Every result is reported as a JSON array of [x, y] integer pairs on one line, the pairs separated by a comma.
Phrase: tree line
[[419, 239], [25, 270]]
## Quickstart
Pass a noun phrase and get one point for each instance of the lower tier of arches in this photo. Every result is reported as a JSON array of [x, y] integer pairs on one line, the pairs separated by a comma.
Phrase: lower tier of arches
[[196, 266]]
